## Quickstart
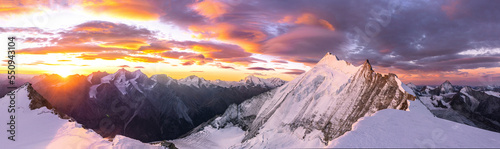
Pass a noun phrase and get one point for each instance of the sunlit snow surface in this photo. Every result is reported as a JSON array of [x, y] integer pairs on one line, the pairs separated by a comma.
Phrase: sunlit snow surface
[[40, 128], [493, 93], [388, 128], [415, 128]]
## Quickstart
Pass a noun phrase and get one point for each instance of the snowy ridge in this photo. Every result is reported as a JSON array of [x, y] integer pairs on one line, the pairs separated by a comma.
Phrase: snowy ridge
[[446, 87], [195, 81], [250, 80], [403, 88], [123, 79]]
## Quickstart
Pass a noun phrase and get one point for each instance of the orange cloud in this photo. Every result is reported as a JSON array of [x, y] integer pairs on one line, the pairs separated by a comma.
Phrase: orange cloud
[[104, 56], [145, 59], [286, 19], [110, 34], [310, 19], [129, 9], [115, 56], [245, 61], [125, 44], [451, 8], [68, 49], [210, 8], [15, 7], [247, 38], [155, 47], [40, 63]]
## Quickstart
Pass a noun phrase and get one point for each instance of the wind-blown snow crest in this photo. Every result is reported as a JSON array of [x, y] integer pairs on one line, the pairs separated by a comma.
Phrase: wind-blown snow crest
[[416, 128], [404, 88]]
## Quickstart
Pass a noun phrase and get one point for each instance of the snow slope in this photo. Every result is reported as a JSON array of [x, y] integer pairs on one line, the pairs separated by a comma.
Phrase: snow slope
[[416, 128], [40, 128], [493, 93], [389, 128]]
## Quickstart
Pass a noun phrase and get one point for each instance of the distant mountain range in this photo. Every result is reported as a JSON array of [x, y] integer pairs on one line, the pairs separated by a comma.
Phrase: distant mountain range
[[335, 104], [147, 109], [477, 106]]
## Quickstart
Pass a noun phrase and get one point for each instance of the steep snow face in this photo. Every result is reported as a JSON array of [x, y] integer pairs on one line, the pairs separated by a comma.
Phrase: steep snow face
[[324, 102], [446, 87], [41, 128], [316, 107], [493, 93], [403, 88]]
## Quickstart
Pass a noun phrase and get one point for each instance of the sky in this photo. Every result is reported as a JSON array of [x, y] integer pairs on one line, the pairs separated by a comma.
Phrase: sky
[[424, 42]]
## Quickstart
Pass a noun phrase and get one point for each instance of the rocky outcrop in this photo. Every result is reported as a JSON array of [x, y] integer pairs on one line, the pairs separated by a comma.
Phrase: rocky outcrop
[[37, 101]]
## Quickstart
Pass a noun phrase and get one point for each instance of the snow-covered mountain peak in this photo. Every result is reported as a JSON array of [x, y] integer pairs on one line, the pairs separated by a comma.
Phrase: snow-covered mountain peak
[[466, 89], [446, 82], [329, 58], [158, 77], [195, 81], [446, 87], [192, 78], [121, 71], [328, 99], [317, 106], [252, 79], [411, 85], [138, 72], [333, 62]]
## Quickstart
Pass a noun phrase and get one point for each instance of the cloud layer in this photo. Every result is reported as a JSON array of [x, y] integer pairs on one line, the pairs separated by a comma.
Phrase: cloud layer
[[438, 37]]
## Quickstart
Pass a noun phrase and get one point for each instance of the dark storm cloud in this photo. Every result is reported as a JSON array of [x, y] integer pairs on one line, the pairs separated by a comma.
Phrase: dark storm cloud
[[431, 34]]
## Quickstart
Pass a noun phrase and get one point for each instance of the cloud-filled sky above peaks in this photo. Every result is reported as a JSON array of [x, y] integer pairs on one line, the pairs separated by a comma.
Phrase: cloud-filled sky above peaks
[[424, 42]]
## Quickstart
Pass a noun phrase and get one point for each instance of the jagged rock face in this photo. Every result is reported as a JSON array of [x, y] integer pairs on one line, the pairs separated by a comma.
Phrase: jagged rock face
[[133, 105], [446, 87], [481, 108], [329, 98], [37, 101], [465, 105]]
